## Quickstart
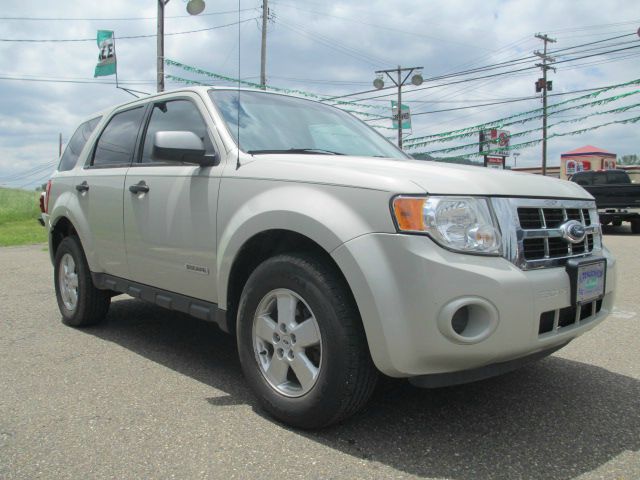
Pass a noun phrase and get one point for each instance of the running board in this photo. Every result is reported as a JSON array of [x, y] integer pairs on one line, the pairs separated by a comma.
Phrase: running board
[[170, 300]]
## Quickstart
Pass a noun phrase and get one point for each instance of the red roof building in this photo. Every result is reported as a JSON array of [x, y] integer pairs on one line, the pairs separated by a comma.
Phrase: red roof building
[[586, 158]]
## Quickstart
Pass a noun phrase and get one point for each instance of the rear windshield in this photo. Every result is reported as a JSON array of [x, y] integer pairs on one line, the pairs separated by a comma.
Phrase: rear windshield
[[76, 144]]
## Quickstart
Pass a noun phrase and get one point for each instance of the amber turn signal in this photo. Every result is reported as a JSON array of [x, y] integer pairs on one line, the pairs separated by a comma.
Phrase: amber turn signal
[[409, 213]]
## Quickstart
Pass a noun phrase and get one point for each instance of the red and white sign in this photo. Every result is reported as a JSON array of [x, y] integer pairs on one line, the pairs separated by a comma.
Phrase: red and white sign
[[494, 140], [495, 162], [574, 166]]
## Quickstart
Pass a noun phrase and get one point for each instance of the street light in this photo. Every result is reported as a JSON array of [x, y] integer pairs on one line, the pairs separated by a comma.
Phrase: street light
[[194, 7], [416, 79]]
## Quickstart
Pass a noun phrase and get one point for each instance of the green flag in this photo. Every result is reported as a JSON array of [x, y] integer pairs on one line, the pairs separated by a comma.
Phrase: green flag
[[406, 115], [107, 56]]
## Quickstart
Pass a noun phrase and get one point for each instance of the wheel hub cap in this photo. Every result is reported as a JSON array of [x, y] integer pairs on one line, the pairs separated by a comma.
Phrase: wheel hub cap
[[287, 342], [68, 282]]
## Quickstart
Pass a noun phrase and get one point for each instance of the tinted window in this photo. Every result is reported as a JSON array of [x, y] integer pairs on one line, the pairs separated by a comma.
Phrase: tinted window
[[582, 178], [600, 178], [176, 115], [76, 144], [118, 139], [617, 177]]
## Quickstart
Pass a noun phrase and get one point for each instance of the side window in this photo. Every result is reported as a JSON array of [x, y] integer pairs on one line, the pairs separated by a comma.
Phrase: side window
[[76, 144], [617, 177], [174, 115], [583, 178], [118, 139], [600, 178]]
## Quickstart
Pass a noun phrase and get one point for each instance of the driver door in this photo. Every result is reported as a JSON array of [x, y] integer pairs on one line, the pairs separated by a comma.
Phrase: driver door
[[170, 223]]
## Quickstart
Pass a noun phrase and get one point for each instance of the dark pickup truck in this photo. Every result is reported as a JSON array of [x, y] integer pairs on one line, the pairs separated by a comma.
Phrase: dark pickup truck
[[617, 199]]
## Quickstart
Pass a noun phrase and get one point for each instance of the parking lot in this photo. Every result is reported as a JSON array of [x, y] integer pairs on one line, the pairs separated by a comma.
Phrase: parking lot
[[154, 394]]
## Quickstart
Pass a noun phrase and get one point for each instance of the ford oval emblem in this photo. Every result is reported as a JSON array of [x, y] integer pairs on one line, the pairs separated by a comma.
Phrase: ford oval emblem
[[573, 231]]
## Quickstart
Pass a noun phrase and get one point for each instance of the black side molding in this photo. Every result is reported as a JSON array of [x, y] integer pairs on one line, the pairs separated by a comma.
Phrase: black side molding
[[438, 380], [170, 300]]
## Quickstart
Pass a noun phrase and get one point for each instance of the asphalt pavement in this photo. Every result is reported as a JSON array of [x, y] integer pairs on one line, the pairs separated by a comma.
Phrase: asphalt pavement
[[154, 394]]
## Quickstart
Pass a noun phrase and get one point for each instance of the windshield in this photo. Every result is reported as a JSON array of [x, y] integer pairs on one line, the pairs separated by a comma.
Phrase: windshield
[[279, 124]]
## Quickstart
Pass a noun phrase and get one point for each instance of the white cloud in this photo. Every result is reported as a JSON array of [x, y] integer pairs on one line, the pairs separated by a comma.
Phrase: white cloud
[[324, 42]]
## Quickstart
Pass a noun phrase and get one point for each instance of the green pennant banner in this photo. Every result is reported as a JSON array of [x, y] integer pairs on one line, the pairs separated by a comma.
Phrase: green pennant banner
[[107, 56], [501, 122]]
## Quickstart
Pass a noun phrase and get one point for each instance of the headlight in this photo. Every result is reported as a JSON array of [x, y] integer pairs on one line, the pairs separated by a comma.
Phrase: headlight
[[464, 224]]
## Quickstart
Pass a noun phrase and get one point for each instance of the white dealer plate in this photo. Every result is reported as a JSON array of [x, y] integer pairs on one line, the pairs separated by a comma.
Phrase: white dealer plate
[[590, 282]]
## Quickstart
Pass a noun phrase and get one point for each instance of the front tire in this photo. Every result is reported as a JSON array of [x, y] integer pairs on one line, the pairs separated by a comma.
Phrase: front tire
[[635, 226], [80, 302], [301, 342]]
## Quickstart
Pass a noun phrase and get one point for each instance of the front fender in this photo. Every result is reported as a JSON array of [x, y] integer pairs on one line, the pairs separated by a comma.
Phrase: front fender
[[328, 215]]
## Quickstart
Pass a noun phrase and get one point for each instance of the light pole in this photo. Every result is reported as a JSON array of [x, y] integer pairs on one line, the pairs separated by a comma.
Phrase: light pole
[[398, 82], [194, 7], [515, 159]]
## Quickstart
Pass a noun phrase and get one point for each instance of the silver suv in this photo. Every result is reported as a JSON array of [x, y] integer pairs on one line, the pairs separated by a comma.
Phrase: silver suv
[[328, 253]]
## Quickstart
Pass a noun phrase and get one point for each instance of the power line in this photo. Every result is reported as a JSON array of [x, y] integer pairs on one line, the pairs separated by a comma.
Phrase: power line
[[383, 27], [89, 82], [476, 78], [350, 51], [518, 146], [117, 19], [126, 37], [591, 27], [527, 132]]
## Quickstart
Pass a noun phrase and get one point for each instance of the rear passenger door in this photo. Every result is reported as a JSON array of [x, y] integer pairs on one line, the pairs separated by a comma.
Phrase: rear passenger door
[[99, 187], [170, 228]]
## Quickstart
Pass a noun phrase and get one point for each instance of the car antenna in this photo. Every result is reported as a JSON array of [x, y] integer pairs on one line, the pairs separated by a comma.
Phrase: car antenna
[[238, 110]]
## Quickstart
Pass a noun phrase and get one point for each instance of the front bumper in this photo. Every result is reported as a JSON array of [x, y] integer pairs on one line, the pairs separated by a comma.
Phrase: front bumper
[[406, 287]]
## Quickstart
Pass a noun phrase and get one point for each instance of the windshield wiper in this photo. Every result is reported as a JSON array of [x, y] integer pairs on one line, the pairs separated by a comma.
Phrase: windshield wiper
[[295, 150]]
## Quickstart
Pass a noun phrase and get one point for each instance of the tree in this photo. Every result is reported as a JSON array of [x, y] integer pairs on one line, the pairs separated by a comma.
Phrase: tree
[[633, 159]]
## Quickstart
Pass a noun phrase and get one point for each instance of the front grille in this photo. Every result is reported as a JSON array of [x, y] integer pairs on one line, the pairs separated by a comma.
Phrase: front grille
[[542, 238], [556, 320], [534, 233]]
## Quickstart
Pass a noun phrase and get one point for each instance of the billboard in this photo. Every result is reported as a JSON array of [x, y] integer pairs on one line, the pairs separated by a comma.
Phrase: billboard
[[494, 141]]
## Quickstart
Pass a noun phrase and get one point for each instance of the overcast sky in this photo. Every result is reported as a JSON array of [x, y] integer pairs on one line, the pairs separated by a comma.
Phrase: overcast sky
[[327, 48]]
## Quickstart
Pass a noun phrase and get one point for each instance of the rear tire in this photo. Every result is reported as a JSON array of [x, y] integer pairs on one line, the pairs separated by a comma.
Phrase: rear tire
[[325, 373], [80, 302]]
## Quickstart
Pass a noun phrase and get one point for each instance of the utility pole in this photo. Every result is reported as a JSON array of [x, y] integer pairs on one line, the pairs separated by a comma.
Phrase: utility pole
[[160, 39], [398, 82], [263, 51], [543, 85], [194, 7], [60, 145]]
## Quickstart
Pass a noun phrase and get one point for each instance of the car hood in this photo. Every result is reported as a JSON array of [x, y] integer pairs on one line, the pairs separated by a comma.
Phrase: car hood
[[407, 176]]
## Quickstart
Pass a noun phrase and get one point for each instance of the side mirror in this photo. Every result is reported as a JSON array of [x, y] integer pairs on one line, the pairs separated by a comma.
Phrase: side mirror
[[181, 146]]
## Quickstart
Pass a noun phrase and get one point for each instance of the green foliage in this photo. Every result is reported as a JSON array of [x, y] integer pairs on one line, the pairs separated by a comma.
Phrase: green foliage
[[19, 212], [18, 205], [629, 159]]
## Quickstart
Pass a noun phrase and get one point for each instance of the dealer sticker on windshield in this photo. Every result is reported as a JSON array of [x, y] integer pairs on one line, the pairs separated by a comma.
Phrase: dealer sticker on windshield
[[590, 282]]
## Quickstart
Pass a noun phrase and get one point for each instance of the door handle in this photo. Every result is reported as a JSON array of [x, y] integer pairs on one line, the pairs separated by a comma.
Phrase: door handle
[[82, 187], [140, 187]]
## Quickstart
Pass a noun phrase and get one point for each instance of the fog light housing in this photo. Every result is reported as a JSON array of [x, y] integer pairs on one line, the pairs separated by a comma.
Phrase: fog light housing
[[460, 320]]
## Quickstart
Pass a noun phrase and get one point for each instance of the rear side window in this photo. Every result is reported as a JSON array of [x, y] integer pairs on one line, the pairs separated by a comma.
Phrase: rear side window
[[118, 140], [175, 115], [76, 144], [617, 177]]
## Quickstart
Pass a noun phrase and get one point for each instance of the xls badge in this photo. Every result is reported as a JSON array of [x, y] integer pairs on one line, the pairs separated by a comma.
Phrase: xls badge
[[197, 269]]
